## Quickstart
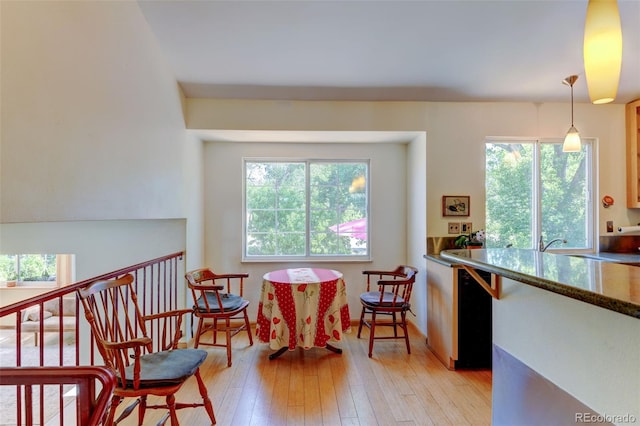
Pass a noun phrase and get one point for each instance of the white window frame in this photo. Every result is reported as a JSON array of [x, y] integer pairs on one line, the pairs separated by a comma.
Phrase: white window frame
[[592, 185], [65, 271], [307, 257]]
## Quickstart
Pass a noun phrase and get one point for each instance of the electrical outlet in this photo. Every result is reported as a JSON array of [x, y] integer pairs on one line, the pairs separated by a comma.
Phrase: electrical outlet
[[609, 226], [454, 227]]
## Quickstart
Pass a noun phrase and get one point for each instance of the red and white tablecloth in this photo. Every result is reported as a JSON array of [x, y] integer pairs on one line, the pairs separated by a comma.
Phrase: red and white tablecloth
[[304, 307]]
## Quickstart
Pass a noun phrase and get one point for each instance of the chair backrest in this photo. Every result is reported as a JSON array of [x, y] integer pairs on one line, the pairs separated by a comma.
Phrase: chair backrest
[[203, 281], [403, 272], [409, 277], [227, 283], [399, 282], [118, 326], [408, 272]]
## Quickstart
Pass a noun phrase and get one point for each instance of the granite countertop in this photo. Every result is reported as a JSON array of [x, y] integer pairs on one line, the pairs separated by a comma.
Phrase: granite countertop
[[610, 285], [439, 259]]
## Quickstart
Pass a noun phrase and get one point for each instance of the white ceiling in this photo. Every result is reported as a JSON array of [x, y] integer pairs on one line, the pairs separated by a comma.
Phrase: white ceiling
[[478, 50]]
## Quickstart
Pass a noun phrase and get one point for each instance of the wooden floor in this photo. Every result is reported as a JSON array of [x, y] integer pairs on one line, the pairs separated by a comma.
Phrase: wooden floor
[[318, 387]]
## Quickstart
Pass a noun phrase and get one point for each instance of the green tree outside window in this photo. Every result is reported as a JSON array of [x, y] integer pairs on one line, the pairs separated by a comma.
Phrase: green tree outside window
[[306, 208]]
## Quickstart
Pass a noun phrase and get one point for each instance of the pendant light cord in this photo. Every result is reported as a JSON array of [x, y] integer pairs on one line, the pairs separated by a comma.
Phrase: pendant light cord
[[571, 104], [569, 81]]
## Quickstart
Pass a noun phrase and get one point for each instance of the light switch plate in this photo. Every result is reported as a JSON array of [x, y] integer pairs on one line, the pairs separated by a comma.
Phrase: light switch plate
[[454, 227], [609, 226], [466, 227]]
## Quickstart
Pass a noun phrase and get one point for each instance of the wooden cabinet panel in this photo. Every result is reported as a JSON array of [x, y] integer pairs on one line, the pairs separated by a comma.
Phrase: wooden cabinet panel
[[633, 154], [441, 318], [458, 317]]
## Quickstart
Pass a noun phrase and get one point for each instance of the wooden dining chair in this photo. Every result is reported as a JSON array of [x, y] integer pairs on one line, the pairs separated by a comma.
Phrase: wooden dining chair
[[143, 366], [391, 298], [219, 306]]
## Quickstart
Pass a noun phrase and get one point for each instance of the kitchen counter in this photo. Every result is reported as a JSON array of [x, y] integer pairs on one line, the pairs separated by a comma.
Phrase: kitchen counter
[[439, 259], [610, 285], [565, 337]]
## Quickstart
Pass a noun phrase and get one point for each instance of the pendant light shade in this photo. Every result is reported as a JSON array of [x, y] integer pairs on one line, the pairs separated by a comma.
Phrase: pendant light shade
[[602, 50], [572, 140]]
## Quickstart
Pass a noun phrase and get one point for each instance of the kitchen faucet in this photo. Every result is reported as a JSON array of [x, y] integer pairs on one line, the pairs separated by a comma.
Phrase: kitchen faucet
[[543, 247]]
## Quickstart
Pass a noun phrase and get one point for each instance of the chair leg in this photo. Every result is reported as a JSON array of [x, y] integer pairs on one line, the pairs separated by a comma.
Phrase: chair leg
[[171, 404], [127, 411], [372, 332], [142, 409], [406, 331], [248, 327], [228, 335], [199, 332], [215, 331], [395, 325], [205, 397], [361, 322], [115, 401]]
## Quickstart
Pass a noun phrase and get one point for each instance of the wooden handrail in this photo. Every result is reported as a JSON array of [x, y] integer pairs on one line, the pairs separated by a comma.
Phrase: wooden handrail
[[90, 410], [159, 282], [18, 306]]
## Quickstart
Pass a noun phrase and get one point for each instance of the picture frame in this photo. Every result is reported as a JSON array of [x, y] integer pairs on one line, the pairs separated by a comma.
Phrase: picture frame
[[456, 205]]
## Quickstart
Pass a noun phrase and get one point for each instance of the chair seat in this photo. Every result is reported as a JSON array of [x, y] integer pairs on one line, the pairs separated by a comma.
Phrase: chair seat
[[230, 302], [166, 368], [373, 298]]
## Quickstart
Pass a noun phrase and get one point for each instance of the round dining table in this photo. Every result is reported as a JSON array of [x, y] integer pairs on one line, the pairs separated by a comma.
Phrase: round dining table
[[302, 307]]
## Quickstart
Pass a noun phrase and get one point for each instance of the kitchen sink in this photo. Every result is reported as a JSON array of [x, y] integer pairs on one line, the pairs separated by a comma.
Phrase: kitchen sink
[[626, 258]]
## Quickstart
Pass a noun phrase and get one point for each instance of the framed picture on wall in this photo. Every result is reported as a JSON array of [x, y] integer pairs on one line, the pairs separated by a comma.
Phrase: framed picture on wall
[[456, 205]]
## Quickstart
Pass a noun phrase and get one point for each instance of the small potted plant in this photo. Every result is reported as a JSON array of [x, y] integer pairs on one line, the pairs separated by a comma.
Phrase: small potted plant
[[12, 280], [474, 240], [9, 275]]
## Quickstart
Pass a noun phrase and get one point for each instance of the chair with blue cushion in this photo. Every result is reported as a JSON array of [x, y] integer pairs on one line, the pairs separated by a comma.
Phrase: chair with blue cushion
[[391, 298], [219, 306], [143, 366]]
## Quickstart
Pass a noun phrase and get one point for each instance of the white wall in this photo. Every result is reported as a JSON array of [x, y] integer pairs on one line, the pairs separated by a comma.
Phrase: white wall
[[455, 155], [590, 352], [92, 125], [456, 134], [99, 246], [93, 143], [194, 201], [417, 225]]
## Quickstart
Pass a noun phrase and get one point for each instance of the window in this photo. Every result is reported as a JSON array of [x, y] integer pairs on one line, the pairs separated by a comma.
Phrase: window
[[534, 189], [306, 209], [36, 269]]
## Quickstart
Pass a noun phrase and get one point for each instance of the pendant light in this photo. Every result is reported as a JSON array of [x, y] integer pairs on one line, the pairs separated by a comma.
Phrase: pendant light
[[602, 50], [572, 140]]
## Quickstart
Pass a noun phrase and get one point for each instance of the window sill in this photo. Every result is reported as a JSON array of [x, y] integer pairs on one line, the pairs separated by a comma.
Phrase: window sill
[[359, 259], [35, 285]]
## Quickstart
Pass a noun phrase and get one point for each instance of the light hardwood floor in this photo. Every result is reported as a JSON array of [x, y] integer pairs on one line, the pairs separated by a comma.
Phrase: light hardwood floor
[[318, 387]]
